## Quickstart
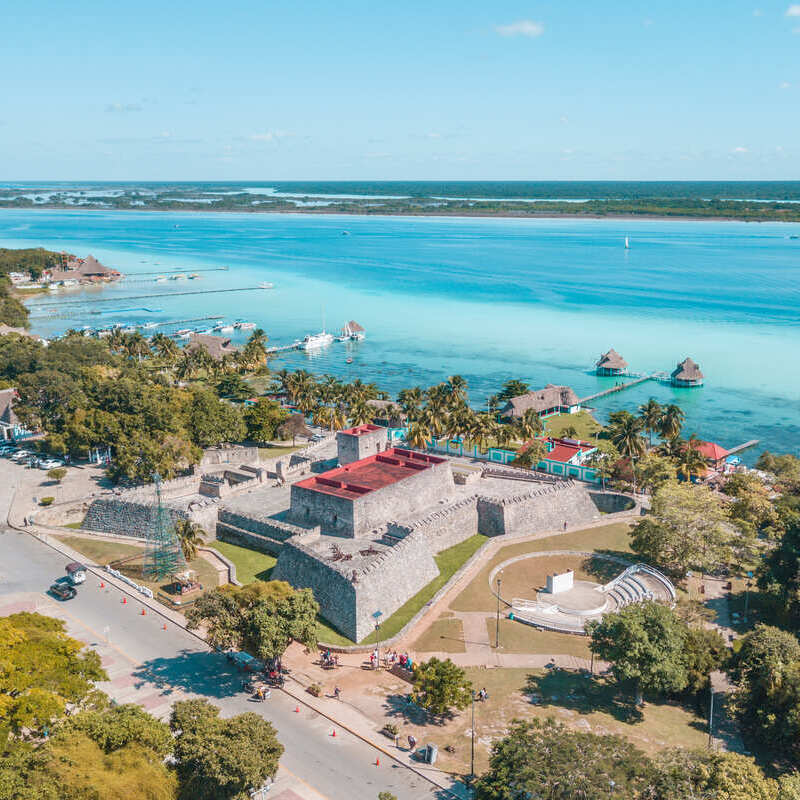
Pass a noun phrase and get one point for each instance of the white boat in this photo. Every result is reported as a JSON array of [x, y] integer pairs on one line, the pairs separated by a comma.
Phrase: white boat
[[627, 243], [226, 329], [161, 279], [245, 326], [218, 326], [193, 276], [266, 285], [149, 325], [316, 341], [184, 333]]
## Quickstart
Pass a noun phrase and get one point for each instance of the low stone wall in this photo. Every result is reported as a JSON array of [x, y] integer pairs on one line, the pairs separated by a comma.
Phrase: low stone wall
[[612, 502], [444, 527], [235, 454], [122, 516]]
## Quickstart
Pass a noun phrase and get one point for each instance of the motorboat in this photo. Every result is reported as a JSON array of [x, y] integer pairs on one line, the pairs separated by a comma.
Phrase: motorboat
[[266, 285], [351, 330], [193, 276], [244, 326], [316, 341], [226, 329], [161, 279], [184, 333]]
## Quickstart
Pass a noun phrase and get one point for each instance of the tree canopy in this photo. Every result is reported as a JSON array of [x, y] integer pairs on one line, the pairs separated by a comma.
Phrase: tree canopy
[[440, 687]]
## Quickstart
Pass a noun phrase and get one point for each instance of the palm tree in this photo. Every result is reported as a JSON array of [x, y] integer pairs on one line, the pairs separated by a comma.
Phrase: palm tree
[[691, 461], [504, 435], [601, 464], [419, 434], [626, 436], [528, 426], [191, 536], [361, 412], [187, 365], [570, 432], [457, 388], [651, 415], [135, 345], [671, 422], [672, 448], [255, 351], [306, 397], [165, 348], [410, 401], [281, 380]]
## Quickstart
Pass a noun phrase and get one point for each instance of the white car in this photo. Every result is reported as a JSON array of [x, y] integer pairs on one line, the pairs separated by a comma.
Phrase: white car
[[21, 455], [50, 463]]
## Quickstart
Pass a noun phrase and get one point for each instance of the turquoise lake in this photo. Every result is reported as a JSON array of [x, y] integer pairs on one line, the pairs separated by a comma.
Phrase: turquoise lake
[[489, 299]]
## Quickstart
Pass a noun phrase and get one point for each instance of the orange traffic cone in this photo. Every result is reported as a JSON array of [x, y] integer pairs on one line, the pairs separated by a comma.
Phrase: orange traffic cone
[[143, 612], [377, 762], [165, 626], [102, 585], [334, 733], [297, 709], [124, 599]]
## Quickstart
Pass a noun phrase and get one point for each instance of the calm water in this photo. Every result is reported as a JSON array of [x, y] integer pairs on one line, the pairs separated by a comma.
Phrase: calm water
[[487, 298]]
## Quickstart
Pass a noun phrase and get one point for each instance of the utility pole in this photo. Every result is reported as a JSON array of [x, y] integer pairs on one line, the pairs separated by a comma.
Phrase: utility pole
[[711, 715], [497, 628]]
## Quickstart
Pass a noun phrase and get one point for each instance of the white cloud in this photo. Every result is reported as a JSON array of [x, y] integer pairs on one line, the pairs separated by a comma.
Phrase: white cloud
[[564, 119], [433, 135], [523, 27], [739, 151], [785, 85], [758, 12], [793, 10]]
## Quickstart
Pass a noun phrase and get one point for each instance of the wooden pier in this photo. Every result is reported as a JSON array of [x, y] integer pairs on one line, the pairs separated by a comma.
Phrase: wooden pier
[[180, 271], [88, 301], [283, 348], [619, 388], [740, 447]]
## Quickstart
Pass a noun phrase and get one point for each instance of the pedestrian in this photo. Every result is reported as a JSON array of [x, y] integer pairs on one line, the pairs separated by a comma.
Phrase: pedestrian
[[565, 524], [412, 743], [337, 693]]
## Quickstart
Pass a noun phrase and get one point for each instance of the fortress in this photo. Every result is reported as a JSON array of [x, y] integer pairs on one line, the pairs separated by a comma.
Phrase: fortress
[[360, 522]]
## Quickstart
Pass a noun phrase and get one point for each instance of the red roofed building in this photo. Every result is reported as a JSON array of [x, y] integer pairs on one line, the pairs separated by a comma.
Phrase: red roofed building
[[354, 499], [566, 457], [713, 453]]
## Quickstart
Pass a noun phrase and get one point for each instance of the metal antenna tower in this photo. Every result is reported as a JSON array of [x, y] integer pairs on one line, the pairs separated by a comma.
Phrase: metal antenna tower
[[164, 556]]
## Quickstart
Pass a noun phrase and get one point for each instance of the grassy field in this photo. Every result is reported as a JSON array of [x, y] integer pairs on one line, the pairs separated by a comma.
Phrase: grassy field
[[446, 635], [105, 552], [477, 596], [583, 422], [251, 565], [516, 637], [277, 451]]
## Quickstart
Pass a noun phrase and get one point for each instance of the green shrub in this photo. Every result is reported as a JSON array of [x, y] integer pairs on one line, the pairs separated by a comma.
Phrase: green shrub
[[315, 690], [46, 501]]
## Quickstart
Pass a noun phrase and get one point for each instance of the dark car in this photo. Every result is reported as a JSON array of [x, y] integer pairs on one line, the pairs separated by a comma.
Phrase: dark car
[[63, 592]]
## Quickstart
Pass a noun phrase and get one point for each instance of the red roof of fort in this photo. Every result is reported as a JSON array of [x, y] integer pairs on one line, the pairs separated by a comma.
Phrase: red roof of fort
[[371, 473], [360, 430]]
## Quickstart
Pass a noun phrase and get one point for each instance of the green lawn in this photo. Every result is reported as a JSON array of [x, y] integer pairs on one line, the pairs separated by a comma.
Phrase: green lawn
[[448, 562], [583, 422], [446, 635], [251, 565], [76, 526], [277, 452], [477, 597], [516, 637]]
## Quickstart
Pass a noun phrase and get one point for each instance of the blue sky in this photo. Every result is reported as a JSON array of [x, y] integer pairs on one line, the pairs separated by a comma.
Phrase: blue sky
[[448, 89]]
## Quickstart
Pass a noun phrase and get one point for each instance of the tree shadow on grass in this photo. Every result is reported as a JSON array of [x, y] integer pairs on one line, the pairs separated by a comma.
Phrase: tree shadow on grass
[[397, 706], [582, 693], [202, 672], [605, 570]]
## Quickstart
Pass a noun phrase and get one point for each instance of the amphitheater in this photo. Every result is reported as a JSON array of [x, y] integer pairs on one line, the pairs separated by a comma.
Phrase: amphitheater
[[357, 520], [566, 605]]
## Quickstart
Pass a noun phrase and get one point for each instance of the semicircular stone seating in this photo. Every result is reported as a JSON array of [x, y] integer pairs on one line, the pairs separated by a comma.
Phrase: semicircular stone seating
[[635, 584]]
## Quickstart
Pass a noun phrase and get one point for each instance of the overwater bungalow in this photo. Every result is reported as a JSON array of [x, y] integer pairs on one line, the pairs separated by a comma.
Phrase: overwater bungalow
[[687, 373], [611, 363], [550, 400]]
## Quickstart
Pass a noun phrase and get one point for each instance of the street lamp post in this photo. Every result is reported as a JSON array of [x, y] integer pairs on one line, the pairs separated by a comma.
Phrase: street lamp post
[[472, 748], [497, 627], [377, 617]]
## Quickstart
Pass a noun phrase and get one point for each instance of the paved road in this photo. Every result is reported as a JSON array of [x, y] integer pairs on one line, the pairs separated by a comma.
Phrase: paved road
[[150, 665]]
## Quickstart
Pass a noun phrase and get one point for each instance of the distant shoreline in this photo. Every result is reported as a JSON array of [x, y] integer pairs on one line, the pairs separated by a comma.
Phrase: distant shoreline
[[454, 214]]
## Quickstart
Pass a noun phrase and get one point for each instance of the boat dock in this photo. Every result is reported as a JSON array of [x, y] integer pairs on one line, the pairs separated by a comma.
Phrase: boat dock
[[740, 447], [86, 301], [283, 348], [619, 388]]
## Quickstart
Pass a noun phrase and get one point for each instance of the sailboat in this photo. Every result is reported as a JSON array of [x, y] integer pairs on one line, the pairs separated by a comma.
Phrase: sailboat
[[627, 243]]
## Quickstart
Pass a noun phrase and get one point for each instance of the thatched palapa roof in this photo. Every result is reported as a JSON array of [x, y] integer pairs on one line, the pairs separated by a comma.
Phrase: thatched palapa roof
[[540, 400], [215, 346], [687, 370], [612, 360]]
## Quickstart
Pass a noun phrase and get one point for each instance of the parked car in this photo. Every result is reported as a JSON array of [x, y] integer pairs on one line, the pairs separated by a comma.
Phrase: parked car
[[50, 463], [7, 449], [62, 591], [21, 455]]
